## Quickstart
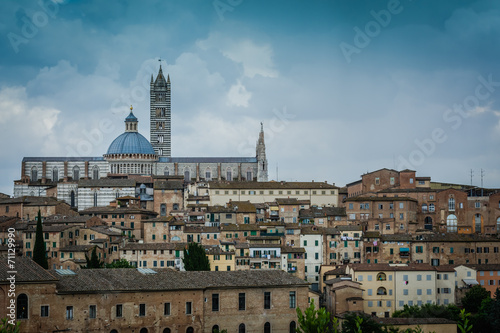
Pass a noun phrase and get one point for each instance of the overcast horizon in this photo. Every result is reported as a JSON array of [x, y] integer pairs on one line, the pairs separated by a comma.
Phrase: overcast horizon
[[342, 87]]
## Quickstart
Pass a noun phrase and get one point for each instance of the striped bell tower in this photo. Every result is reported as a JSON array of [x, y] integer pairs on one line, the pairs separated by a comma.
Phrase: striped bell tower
[[160, 114]]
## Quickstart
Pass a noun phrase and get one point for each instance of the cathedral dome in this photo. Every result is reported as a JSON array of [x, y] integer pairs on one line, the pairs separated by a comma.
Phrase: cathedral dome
[[130, 143]]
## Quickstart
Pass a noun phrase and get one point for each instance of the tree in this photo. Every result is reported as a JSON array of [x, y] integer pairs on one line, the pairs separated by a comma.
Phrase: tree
[[195, 258], [6, 327], [315, 321], [122, 263], [473, 298], [428, 311], [94, 261], [39, 255], [356, 322]]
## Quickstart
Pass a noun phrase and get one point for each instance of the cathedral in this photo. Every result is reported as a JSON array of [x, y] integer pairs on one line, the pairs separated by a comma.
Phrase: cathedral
[[131, 155]]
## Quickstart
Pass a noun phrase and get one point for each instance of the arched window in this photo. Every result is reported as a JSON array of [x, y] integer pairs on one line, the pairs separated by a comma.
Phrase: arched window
[[55, 175], [95, 199], [113, 331], [72, 198], [428, 223], [451, 223], [176, 239], [175, 206], [249, 174], [76, 173], [381, 277], [95, 173], [22, 306], [167, 330], [424, 207], [143, 330], [267, 327], [381, 291], [208, 174], [451, 204], [165, 171], [293, 327], [229, 174], [241, 328], [215, 329], [34, 174], [187, 175], [163, 210], [190, 330], [478, 223]]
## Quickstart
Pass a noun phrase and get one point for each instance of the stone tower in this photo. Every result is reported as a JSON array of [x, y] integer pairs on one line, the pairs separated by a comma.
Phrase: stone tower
[[160, 114], [261, 157]]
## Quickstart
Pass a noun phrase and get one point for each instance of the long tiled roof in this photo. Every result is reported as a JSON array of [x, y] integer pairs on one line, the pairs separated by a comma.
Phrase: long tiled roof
[[62, 159], [271, 185], [26, 271], [389, 267], [130, 280]]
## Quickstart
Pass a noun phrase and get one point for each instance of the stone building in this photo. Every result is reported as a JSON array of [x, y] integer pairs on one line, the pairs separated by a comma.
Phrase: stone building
[[152, 300]]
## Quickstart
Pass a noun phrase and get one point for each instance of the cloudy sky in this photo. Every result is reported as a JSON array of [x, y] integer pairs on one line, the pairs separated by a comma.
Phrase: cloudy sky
[[342, 87]]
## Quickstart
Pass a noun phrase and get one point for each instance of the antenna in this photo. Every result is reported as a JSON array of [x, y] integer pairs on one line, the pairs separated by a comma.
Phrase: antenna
[[482, 176], [471, 174]]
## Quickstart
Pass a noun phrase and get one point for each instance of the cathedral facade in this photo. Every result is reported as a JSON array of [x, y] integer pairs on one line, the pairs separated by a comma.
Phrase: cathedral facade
[[131, 155]]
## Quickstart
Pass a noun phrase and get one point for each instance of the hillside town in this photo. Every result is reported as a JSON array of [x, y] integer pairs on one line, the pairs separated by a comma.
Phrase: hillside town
[[390, 239]]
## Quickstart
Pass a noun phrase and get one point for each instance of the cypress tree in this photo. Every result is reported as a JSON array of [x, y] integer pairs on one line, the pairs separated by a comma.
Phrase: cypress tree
[[195, 258], [94, 261], [39, 255]]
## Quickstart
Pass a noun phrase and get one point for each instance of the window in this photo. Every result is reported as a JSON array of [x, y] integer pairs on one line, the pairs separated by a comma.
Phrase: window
[[92, 311], [163, 210], [69, 312], [142, 310], [190, 330], [405, 292], [381, 291], [401, 205], [377, 181], [241, 328], [451, 204], [119, 310], [432, 208], [22, 306], [451, 223], [267, 300], [292, 299], [419, 292], [189, 307], [215, 302], [166, 309], [293, 327], [267, 327], [241, 301]]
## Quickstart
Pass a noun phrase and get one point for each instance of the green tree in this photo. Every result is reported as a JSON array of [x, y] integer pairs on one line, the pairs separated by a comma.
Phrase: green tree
[[473, 298], [39, 255], [122, 263], [5, 327], [195, 258], [355, 322], [315, 321], [428, 311], [463, 324], [94, 261]]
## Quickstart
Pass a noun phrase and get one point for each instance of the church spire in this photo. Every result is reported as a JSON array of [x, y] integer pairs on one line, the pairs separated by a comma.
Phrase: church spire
[[261, 156]]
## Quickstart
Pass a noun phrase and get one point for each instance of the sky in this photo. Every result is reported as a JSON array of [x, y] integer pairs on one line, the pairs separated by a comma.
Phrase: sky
[[342, 87]]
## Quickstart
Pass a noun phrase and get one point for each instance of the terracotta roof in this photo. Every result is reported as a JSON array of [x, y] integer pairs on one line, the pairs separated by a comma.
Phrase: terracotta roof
[[292, 249], [270, 185], [169, 185], [484, 267], [390, 267], [130, 280], [77, 248], [380, 199], [153, 246]]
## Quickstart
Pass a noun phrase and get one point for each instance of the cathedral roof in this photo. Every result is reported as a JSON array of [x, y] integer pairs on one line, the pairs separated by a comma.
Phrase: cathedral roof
[[131, 143]]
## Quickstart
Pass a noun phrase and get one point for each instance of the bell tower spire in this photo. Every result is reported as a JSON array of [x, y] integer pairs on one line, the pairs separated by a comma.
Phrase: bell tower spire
[[160, 119]]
